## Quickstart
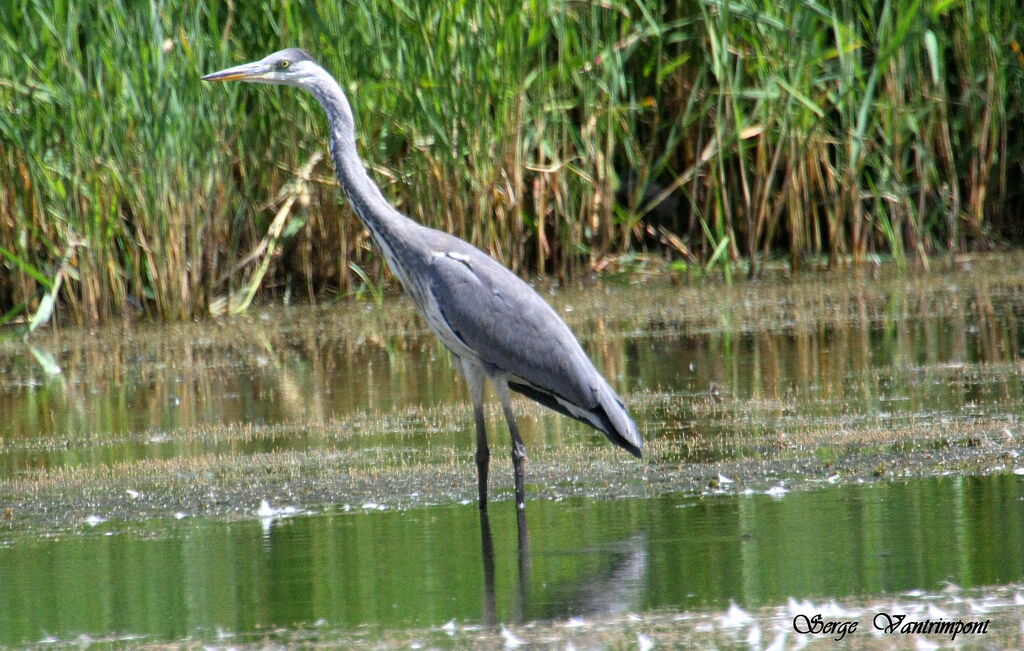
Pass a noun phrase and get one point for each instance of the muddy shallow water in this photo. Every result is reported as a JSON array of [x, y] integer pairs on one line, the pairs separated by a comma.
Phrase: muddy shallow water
[[306, 474]]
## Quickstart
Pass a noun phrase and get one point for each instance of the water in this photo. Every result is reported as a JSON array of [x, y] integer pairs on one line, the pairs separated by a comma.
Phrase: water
[[815, 375], [424, 567]]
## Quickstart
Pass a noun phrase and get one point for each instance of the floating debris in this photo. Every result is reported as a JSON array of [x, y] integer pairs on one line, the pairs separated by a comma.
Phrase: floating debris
[[510, 639], [735, 617]]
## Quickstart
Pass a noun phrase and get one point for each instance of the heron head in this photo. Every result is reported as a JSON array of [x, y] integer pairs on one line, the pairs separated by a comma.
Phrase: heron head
[[291, 67]]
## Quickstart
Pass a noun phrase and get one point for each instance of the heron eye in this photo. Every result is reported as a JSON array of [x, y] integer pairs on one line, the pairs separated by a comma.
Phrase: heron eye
[[283, 65]]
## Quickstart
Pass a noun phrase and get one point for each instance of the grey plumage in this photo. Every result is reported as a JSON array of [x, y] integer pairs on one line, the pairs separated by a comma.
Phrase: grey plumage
[[496, 326]]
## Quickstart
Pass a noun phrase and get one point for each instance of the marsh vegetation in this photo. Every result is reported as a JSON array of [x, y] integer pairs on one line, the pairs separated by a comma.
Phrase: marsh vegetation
[[733, 133]]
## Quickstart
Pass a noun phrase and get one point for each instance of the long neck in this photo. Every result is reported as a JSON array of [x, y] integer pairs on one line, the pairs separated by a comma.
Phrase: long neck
[[390, 229]]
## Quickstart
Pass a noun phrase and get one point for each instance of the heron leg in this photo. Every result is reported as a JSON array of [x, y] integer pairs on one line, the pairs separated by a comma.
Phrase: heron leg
[[475, 379], [518, 447], [487, 554]]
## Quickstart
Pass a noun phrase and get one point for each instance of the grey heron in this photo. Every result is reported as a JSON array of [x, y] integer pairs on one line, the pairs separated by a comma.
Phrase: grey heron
[[495, 325]]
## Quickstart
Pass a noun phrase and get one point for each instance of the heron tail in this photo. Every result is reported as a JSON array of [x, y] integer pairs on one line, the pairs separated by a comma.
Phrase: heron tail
[[609, 415], [619, 426]]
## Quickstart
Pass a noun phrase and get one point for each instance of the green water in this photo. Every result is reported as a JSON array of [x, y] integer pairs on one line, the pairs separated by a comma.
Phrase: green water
[[817, 376], [423, 567]]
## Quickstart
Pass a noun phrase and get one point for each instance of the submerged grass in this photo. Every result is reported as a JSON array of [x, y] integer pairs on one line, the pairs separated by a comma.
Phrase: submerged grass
[[555, 135], [226, 485]]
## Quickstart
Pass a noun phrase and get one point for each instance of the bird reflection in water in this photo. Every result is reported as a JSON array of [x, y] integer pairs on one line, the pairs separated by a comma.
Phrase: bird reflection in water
[[616, 588]]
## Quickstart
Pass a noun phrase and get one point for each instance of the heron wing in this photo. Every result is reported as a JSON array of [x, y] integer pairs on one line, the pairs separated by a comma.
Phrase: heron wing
[[505, 323], [484, 309]]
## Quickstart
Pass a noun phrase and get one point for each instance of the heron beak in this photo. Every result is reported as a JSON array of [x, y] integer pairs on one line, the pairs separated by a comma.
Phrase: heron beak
[[244, 72]]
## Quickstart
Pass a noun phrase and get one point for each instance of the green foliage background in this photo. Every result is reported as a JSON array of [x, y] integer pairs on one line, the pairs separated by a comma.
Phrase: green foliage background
[[804, 128]]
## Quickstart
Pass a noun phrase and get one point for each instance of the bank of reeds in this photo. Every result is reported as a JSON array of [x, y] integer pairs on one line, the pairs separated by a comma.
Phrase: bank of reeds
[[555, 135]]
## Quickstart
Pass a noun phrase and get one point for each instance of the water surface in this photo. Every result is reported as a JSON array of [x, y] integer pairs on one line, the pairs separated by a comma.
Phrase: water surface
[[424, 567]]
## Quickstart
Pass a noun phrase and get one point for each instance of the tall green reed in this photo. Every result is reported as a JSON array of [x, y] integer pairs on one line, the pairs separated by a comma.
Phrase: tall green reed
[[814, 128]]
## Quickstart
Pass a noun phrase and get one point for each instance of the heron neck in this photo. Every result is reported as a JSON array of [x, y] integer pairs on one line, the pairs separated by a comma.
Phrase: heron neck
[[369, 203]]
